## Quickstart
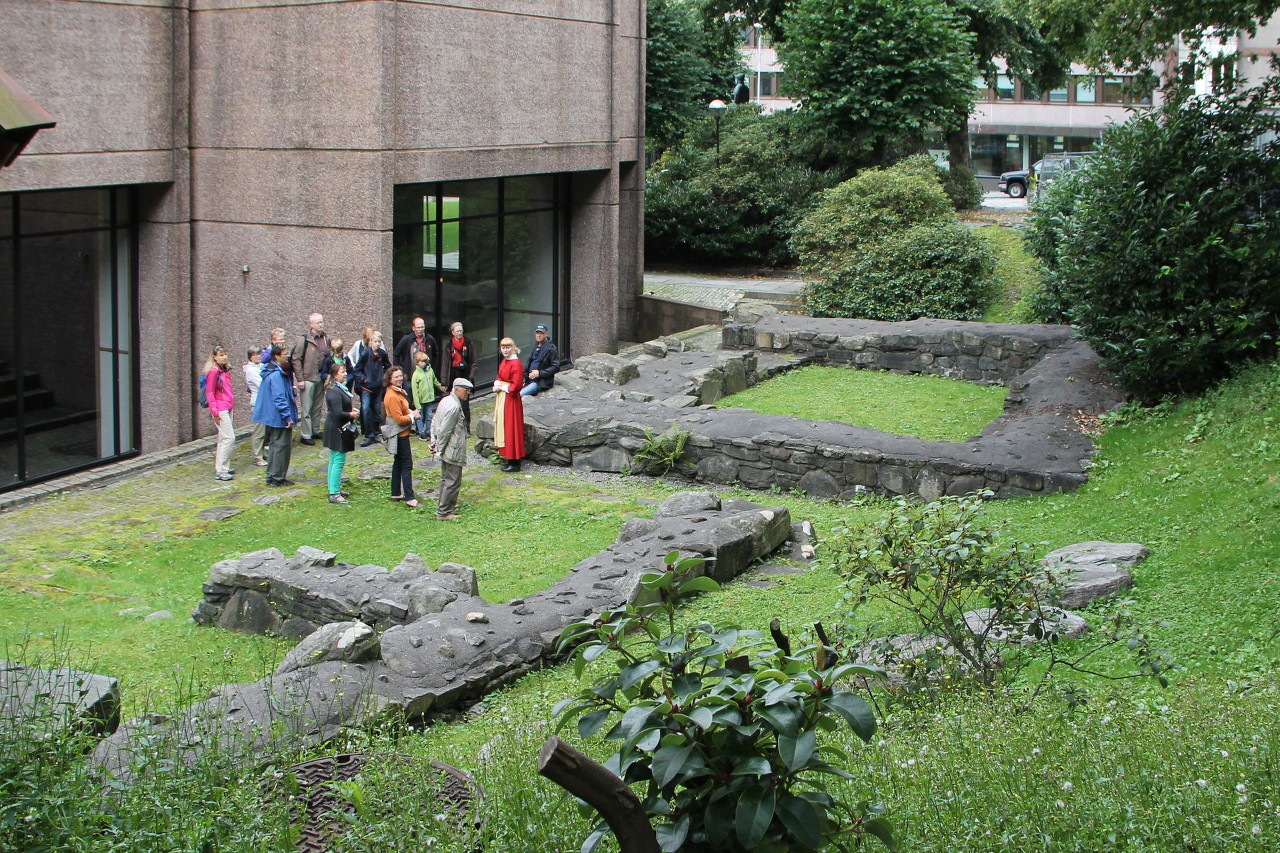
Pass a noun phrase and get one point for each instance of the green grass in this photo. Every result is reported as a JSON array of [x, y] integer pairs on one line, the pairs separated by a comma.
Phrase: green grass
[[930, 407], [1017, 274], [67, 582], [1136, 768]]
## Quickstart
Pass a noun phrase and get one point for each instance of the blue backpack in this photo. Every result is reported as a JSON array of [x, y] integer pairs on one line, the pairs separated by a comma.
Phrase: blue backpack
[[202, 396]]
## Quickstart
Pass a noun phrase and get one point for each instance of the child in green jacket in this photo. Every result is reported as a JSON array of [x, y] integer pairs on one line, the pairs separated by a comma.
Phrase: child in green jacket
[[425, 390]]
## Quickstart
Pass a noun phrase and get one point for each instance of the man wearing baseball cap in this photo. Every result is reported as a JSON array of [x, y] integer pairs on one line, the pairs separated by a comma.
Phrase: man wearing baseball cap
[[542, 364]]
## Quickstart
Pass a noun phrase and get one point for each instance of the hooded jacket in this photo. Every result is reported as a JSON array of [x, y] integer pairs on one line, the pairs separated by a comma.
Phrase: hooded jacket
[[275, 406]]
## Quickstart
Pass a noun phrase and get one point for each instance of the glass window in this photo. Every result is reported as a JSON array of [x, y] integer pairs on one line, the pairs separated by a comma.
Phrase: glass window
[[1085, 91], [1004, 87], [67, 265], [1030, 92], [530, 192], [1113, 90], [1058, 96], [497, 273]]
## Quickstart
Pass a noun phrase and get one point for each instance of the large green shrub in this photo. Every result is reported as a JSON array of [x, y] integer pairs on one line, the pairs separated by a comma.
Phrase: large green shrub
[[1166, 253], [739, 209], [886, 245]]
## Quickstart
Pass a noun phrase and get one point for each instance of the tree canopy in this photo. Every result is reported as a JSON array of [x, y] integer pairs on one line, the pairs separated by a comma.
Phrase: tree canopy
[[691, 60], [878, 69]]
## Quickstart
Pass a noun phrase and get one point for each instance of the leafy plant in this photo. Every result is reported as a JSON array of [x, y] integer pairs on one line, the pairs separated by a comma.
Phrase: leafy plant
[[662, 452], [937, 563], [719, 726], [738, 207]]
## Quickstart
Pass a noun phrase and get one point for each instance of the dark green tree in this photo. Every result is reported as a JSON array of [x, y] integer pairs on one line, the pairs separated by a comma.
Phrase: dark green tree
[[690, 61], [1166, 253], [878, 69]]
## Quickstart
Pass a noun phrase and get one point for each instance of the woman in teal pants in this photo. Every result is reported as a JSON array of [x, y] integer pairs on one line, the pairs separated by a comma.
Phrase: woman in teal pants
[[339, 428]]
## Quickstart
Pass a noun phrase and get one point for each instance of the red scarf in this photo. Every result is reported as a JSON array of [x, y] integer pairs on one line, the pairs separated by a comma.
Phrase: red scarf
[[457, 350]]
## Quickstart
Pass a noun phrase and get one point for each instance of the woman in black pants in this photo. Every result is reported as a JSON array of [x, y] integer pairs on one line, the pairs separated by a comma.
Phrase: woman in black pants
[[396, 405]]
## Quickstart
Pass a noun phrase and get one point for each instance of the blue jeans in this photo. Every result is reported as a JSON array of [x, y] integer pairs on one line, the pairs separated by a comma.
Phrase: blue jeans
[[530, 389], [370, 412], [425, 414]]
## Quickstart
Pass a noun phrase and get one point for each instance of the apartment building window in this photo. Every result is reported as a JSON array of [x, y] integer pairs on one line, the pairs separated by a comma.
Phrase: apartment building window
[[1058, 96], [1004, 87], [770, 84], [1086, 90]]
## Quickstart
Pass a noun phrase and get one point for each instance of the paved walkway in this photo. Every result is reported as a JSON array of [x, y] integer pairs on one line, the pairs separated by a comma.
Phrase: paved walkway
[[720, 291]]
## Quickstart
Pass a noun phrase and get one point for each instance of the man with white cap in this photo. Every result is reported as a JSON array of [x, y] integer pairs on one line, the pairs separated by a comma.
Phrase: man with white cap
[[449, 442]]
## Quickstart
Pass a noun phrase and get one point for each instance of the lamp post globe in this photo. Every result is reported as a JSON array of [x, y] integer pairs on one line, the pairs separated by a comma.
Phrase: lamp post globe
[[717, 108]]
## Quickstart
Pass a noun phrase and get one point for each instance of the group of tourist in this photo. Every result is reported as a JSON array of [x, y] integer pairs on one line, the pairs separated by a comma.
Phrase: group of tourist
[[331, 392]]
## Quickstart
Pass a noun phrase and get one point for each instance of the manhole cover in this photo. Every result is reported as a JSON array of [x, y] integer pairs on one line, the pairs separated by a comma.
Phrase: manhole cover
[[318, 807]]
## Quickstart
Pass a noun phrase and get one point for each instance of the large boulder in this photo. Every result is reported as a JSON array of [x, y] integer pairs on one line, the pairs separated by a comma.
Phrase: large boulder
[[51, 699], [1093, 570]]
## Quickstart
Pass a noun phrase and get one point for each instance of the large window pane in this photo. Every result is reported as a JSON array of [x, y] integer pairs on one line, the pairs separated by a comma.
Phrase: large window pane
[[1004, 87], [470, 198], [530, 192], [1085, 91], [529, 271], [470, 291], [8, 364], [60, 424], [67, 344]]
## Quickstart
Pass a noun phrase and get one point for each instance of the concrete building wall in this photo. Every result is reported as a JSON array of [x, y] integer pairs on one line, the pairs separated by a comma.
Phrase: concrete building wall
[[270, 135]]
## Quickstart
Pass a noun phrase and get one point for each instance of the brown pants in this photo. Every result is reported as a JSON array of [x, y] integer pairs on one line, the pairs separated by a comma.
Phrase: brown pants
[[450, 484]]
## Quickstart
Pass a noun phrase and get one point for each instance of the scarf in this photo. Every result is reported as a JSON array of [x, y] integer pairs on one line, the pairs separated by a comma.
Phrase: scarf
[[458, 344]]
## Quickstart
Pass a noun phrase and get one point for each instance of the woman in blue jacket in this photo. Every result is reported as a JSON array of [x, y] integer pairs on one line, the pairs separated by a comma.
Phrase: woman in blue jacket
[[276, 410]]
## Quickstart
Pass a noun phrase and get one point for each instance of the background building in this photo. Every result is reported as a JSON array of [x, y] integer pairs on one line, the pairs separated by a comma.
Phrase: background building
[[221, 167]]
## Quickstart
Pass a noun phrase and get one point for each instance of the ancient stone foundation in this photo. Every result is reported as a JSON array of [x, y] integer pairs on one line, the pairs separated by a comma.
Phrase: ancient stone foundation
[[600, 414], [416, 640]]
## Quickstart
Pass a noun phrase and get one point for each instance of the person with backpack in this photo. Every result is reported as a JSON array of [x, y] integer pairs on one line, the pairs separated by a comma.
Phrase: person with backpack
[[219, 395]]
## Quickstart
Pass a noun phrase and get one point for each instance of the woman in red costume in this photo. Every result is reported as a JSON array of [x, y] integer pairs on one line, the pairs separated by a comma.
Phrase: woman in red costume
[[508, 408]]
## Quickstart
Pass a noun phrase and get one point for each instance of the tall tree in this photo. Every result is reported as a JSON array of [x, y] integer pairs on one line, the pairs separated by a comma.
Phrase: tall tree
[[878, 69], [691, 60]]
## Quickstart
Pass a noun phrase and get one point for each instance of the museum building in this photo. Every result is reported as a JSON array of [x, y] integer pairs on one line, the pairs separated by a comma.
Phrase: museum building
[[222, 167]]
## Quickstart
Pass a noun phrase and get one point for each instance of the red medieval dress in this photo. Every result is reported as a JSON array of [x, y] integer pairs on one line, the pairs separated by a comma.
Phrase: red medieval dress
[[508, 410]]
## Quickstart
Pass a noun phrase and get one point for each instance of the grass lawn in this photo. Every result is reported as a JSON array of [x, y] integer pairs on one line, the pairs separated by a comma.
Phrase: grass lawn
[[1134, 768], [1017, 274], [930, 407]]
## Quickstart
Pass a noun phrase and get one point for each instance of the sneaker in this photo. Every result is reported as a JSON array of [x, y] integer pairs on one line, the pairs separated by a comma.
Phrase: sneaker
[[368, 440], [345, 494], [338, 499], [223, 477]]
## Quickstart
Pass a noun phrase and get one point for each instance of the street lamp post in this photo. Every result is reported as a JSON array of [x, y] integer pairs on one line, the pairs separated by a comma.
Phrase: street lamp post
[[717, 108]]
